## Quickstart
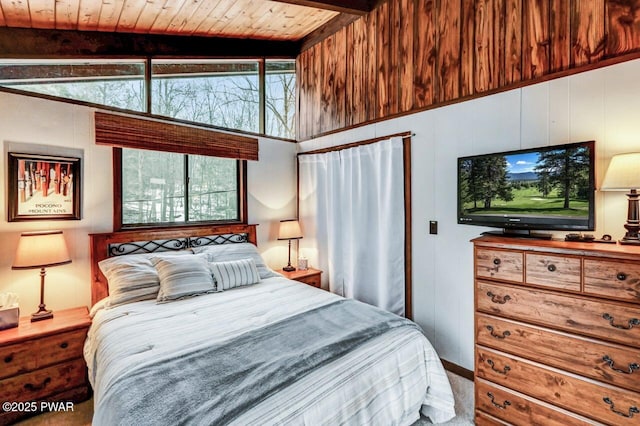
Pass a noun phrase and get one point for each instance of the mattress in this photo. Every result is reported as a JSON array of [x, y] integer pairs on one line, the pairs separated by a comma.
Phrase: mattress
[[388, 380]]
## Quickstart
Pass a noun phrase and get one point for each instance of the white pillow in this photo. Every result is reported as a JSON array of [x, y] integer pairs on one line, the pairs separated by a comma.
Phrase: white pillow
[[132, 277], [236, 251], [183, 277], [234, 273]]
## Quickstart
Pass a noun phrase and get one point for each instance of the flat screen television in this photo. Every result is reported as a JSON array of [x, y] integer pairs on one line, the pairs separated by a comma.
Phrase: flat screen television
[[549, 188]]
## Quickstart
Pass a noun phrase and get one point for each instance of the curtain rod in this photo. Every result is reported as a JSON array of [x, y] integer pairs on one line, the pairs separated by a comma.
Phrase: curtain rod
[[359, 143]]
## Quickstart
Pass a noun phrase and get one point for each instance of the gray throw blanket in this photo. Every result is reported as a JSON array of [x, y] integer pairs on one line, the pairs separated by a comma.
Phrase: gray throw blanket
[[213, 385]]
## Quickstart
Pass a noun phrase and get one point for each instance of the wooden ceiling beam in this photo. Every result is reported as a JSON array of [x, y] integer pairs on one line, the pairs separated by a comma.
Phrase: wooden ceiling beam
[[331, 27], [39, 43], [353, 7]]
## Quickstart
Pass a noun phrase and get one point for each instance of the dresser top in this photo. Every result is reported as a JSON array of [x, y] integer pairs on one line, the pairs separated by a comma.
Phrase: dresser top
[[63, 320], [606, 250]]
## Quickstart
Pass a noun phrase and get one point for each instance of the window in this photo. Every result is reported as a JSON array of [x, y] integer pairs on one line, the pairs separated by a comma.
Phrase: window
[[112, 83], [222, 93], [280, 102], [161, 188], [219, 93]]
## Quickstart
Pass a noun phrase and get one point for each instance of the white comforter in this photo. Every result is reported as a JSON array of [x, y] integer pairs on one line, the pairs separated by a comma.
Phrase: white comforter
[[385, 382]]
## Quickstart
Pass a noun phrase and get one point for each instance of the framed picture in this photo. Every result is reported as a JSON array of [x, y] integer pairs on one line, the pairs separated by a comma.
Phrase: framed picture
[[43, 187]]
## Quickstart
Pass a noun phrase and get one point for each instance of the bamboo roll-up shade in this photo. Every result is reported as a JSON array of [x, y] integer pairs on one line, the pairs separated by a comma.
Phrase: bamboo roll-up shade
[[128, 131]]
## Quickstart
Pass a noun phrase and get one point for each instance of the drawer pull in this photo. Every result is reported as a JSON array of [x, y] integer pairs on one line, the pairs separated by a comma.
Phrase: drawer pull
[[8, 359], [504, 371], [632, 322], [551, 268], [497, 336], [35, 388], [621, 276], [504, 405], [632, 410], [497, 261], [632, 367], [498, 299], [64, 345]]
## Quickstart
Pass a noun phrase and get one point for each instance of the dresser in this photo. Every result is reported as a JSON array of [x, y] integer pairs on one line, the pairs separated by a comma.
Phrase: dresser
[[557, 332], [42, 362]]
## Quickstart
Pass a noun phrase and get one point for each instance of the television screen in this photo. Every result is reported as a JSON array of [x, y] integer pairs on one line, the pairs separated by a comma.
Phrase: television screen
[[550, 188]]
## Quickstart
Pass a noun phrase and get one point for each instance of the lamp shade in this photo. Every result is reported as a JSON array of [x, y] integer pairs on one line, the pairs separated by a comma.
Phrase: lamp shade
[[623, 173], [289, 230], [41, 250]]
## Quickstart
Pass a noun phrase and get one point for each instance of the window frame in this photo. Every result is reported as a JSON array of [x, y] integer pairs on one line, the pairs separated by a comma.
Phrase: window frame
[[117, 200]]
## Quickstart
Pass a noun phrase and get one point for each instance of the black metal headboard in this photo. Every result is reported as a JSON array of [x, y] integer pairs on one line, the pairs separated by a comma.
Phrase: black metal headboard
[[173, 244]]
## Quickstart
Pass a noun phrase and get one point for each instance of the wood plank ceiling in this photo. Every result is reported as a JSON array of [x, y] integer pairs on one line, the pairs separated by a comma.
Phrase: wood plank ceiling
[[285, 20]]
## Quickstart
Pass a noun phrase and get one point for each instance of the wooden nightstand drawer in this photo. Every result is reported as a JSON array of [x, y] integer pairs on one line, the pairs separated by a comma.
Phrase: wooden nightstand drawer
[[41, 383], [16, 359], [61, 347], [308, 276]]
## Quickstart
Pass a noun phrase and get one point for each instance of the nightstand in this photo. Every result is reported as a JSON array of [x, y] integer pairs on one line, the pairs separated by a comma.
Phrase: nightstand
[[43, 361], [308, 276]]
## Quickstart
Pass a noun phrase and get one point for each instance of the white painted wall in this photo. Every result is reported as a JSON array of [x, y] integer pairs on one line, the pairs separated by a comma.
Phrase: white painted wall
[[601, 105], [271, 186]]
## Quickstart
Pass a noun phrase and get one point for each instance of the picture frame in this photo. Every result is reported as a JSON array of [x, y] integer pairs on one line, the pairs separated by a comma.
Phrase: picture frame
[[43, 187]]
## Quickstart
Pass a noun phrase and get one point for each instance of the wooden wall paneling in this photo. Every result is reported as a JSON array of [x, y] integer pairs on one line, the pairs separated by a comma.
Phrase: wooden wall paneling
[[328, 74], [535, 39], [560, 35], [587, 31], [394, 57], [317, 78], [622, 26], [468, 48], [499, 44], [66, 14], [372, 66], [448, 41], [484, 43], [513, 41], [383, 50], [405, 77], [350, 57], [339, 80], [16, 13], [357, 74], [424, 53], [301, 93]]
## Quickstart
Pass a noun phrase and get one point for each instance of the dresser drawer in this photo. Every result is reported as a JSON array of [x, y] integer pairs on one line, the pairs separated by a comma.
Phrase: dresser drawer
[[499, 264], [605, 320], [587, 397], [17, 358], [518, 409], [618, 280], [60, 347], [559, 272], [41, 383], [607, 362]]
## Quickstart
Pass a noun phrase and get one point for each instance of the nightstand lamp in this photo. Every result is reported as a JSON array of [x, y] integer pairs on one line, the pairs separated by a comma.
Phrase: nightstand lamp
[[623, 174], [289, 230], [41, 249]]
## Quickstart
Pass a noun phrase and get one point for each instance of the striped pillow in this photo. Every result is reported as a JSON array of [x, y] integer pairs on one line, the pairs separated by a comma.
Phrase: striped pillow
[[132, 278], [183, 277], [235, 273]]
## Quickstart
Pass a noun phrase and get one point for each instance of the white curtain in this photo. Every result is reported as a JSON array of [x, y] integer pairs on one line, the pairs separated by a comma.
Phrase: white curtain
[[352, 212]]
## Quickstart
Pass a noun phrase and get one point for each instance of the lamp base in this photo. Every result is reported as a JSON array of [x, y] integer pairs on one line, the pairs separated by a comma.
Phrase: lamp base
[[289, 268], [42, 314]]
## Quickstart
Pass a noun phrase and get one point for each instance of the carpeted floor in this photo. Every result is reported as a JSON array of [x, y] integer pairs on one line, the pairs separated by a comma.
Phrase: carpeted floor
[[81, 416]]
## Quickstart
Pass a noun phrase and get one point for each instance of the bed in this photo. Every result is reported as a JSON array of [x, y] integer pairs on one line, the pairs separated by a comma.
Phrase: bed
[[266, 351]]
